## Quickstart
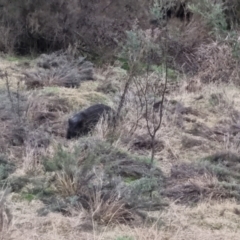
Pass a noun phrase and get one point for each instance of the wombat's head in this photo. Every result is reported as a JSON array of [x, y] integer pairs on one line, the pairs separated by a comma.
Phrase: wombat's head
[[74, 126]]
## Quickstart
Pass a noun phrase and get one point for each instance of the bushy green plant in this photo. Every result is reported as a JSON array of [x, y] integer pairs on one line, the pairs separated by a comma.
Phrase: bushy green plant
[[212, 13], [5, 168], [62, 159], [159, 9], [124, 238]]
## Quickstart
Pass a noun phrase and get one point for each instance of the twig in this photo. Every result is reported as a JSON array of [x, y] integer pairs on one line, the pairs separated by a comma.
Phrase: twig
[[8, 90]]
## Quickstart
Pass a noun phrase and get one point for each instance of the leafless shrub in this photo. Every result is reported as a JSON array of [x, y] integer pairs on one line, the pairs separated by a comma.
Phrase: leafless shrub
[[154, 87], [14, 105], [140, 49], [7, 40], [55, 25]]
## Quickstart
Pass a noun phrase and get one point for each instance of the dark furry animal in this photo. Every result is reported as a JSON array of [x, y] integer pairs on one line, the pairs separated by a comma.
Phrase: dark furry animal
[[82, 123]]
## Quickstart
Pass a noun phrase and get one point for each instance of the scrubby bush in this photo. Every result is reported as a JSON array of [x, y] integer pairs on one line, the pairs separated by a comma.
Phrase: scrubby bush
[[215, 177], [232, 11], [212, 13], [107, 182], [89, 27]]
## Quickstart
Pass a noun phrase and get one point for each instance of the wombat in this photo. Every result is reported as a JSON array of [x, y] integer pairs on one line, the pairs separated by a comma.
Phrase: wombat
[[82, 123]]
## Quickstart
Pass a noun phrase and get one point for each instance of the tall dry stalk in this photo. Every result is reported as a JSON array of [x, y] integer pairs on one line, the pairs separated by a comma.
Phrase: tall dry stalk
[[5, 214]]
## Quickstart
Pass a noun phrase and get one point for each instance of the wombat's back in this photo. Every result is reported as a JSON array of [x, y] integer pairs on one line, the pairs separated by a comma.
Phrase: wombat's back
[[95, 111], [82, 122]]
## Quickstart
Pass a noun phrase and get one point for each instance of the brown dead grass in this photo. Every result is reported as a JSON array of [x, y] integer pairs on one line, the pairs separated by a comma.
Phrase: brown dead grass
[[213, 219], [217, 63], [209, 220], [215, 107]]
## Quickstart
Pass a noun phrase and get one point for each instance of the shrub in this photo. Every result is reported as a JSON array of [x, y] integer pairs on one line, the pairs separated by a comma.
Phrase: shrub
[[215, 177], [82, 26], [212, 14], [95, 172]]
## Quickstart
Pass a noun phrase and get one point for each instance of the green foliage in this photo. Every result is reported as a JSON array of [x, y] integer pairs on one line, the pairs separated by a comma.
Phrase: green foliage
[[131, 53], [236, 50], [124, 62], [137, 51], [212, 14], [156, 10], [61, 160], [27, 196], [5, 168], [50, 90], [214, 100], [3, 172], [233, 40], [124, 238], [95, 166], [171, 73], [159, 9], [225, 166], [19, 59], [221, 179], [129, 179]]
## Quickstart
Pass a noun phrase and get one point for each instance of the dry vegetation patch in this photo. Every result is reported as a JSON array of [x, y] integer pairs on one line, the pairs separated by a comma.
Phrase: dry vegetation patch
[[215, 177], [58, 69], [217, 63]]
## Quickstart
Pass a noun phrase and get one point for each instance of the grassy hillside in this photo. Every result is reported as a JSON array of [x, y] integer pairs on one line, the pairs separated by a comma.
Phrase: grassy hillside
[[170, 168]]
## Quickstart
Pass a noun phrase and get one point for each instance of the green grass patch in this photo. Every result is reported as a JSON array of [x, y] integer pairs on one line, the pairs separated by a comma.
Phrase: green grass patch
[[130, 179], [124, 238], [171, 73], [27, 196], [52, 90], [20, 59]]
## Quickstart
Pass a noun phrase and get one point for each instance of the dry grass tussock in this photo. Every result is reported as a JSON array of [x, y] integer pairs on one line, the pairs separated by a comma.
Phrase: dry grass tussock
[[101, 209], [217, 63], [58, 69], [184, 40]]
